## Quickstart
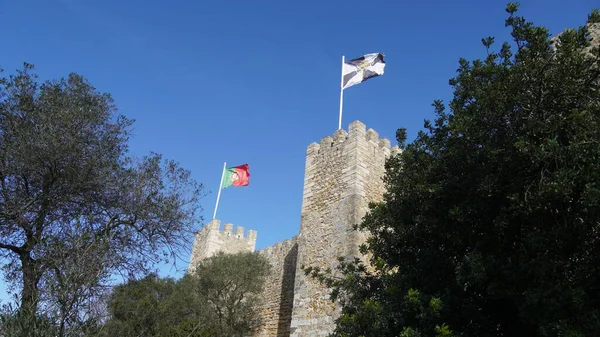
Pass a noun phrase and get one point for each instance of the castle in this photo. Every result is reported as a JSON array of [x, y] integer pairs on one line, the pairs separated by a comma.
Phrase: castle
[[343, 174]]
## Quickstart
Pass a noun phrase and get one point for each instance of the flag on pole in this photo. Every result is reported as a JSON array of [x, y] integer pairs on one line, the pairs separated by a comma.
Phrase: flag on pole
[[361, 69], [236, 176]]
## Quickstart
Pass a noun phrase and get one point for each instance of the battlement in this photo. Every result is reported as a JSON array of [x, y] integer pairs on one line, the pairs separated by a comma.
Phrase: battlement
[[357, 132], [228, 230], [349, 163], [280, 247], [211, 239]]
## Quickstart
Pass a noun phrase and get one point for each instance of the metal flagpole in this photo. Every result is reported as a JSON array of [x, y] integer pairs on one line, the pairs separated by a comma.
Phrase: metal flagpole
[[341, 94], [219, 194]]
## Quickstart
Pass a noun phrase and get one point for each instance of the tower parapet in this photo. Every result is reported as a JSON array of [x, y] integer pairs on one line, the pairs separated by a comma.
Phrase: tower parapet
[[210, 239], [348, 162]]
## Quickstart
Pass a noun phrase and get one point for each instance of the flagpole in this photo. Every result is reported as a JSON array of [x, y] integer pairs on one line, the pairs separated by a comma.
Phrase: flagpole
[[219, 194], [341, 94]]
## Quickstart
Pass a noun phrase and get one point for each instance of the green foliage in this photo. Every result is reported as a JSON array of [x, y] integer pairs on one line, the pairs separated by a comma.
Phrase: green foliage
[[442, 331], [16, 323], [74, 206], [491, 221], [220, 300], [231, 285], [409, 332], [594, 16], [138, 308]]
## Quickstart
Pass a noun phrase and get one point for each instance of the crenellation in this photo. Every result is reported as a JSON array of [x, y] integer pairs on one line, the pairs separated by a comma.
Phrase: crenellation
[[341, 139], [357, 129], [372, 135], [339, 136], [210, 240], [312, 150], [325, 142], [279, 247], [252, 234], [385, 143]]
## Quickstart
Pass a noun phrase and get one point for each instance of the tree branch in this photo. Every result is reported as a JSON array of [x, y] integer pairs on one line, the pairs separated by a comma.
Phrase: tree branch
[[4, 191], [26, 185], [12, 248], [13, 215], [38, 223]]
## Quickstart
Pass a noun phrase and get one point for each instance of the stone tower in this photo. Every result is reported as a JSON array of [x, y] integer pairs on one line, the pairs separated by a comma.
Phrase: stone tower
[[343, 175]]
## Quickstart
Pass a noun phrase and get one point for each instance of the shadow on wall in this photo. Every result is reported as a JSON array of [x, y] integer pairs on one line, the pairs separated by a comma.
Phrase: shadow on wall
[[287, 293]]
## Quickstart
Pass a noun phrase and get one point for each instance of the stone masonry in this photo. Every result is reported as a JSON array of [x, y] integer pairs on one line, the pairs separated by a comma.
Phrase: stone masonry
[[210, 240], [279, 289], [343, 174]]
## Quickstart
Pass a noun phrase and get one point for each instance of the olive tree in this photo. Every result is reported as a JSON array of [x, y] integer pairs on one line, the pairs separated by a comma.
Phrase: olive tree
[[75, 206]]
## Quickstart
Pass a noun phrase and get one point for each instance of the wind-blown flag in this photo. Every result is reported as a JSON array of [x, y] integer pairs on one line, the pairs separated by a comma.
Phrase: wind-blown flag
[[361, 69], [236, 176]]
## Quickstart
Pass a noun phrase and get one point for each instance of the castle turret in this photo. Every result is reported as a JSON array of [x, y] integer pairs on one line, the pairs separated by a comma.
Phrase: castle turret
[[343, 174], [210, 239]]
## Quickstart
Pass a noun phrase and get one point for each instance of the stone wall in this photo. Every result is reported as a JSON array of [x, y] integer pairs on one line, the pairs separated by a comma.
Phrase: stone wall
[[276, 314], [343, 174], [210, 240]]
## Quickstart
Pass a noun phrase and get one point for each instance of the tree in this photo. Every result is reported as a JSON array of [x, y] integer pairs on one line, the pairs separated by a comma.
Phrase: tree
[[154, 306], [220, 300], [231, 286], [12, 324], [137, 308], [75, 207], [491, 221]]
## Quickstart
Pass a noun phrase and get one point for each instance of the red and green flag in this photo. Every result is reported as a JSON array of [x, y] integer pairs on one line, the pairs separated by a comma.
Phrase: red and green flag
[[236, 176]]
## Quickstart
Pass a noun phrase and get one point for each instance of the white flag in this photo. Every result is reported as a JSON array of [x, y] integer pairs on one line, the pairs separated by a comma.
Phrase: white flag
[[361, 69]]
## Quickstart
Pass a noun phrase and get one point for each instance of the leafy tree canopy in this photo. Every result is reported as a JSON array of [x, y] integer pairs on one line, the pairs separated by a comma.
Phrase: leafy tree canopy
[[221, 299], [75, 207]]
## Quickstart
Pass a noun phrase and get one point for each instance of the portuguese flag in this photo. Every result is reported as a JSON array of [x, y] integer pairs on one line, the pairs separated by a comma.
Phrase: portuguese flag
[[236, 176]]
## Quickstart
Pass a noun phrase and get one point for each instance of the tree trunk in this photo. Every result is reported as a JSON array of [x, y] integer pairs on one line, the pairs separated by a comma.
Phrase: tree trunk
[[31, 278]]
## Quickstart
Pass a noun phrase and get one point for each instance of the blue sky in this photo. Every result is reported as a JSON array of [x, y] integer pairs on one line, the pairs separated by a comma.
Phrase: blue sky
[[257, 81]]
